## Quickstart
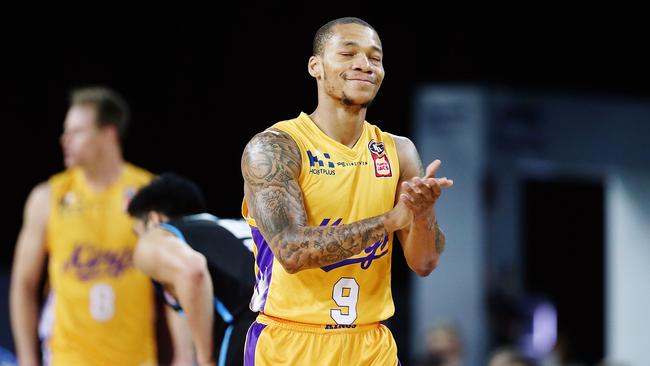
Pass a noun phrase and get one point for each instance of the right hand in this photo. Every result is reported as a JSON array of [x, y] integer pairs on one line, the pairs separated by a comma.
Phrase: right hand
[[421, 193], [417, 197]]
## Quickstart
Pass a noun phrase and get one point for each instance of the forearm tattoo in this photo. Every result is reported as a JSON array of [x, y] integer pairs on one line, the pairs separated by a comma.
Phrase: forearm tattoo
[[441, 241], [271, 166], [439, 235]]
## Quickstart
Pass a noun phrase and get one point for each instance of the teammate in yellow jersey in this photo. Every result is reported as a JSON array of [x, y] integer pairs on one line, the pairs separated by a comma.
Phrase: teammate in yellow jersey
[[100, 309], [324, 194]]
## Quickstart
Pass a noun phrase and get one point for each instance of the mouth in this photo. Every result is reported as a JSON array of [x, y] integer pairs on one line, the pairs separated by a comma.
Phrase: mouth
[[361, 80]]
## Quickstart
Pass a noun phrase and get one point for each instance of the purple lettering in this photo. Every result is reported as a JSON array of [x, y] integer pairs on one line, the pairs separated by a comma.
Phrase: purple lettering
[[89, 262]]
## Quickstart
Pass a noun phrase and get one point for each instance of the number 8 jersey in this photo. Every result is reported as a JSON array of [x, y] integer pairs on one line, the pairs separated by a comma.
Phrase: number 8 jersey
[[340, 185], [102, 305]]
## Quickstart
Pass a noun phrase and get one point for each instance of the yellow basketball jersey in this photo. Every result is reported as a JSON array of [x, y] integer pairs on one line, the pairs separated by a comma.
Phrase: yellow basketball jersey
[[340, 185], [103, 306]]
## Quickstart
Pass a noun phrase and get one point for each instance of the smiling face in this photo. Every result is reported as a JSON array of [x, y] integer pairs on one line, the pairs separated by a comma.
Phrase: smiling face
[[350, 68]]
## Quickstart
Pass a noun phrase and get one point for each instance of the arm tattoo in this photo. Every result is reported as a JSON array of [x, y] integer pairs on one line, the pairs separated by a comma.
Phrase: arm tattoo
[[439, 235], [441, 241], [420, 167], [271, 165]]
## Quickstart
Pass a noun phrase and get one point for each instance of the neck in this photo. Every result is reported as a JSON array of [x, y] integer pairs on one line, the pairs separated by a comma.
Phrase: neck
[[342, 123], [105, 170]]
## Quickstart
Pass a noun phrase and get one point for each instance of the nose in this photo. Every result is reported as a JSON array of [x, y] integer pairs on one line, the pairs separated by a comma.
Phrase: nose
[[361, 63]]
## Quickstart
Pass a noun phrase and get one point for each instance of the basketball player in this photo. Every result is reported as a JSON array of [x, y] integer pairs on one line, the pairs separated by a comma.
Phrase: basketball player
[[202, 263], [99, 310], [324, 194]]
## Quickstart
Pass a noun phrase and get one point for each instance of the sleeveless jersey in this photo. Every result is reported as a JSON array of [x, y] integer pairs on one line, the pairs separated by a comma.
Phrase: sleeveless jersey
[[340, 185], [102, 306]]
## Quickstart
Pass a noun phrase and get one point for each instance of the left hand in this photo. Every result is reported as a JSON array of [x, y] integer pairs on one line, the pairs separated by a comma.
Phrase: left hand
[[421, 193]]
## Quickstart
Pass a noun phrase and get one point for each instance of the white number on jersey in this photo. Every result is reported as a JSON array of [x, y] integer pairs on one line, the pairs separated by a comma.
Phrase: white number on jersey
[[102, 302], [346, 296]]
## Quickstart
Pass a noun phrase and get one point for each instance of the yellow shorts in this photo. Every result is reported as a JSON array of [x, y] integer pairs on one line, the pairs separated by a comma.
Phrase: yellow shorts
[[272, 341]]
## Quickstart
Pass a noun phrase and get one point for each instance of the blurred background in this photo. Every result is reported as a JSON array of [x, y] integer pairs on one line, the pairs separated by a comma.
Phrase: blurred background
[[541, 117]]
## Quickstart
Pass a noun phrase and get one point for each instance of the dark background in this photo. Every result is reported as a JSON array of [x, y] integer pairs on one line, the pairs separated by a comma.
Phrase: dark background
[[201, 82]]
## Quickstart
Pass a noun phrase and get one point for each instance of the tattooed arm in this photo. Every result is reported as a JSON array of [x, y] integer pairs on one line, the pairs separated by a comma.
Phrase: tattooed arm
[[271, 166], [422, 240]]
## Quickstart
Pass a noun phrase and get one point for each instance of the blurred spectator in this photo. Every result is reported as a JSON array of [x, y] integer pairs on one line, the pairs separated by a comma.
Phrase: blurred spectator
[[444, 346], [507, 356]]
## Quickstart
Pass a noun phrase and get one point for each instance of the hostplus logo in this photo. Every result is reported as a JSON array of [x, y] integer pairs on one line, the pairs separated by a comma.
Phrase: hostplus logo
[[319, 166]]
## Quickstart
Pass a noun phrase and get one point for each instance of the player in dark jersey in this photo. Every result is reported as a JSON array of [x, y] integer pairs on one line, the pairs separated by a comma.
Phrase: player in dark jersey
[[203, 265]]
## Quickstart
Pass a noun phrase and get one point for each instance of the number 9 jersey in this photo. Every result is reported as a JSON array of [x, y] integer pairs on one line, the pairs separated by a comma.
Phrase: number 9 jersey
[[340, 185]]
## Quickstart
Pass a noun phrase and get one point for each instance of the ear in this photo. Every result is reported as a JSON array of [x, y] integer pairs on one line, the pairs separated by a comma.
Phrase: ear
[[315, 67], [112, 132], [154, 218]]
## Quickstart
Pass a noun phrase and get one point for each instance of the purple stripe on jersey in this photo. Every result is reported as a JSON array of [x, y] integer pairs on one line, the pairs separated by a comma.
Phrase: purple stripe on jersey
[[251, 343], [264, 261]]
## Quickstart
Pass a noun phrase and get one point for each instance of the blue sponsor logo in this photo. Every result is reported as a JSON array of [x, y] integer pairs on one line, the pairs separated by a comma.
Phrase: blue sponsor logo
[[315, 161], [319, 166]]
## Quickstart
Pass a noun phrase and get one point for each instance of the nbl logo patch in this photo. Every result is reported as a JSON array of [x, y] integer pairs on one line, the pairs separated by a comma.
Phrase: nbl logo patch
[[71, 203], [379, 157]]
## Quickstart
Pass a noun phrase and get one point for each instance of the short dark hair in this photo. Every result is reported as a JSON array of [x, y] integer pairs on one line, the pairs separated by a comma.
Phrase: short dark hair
[[111, 107], [169, 194], [325, 32]]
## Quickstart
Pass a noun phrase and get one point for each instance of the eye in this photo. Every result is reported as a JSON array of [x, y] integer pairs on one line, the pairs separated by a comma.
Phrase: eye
[[347, 54]]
